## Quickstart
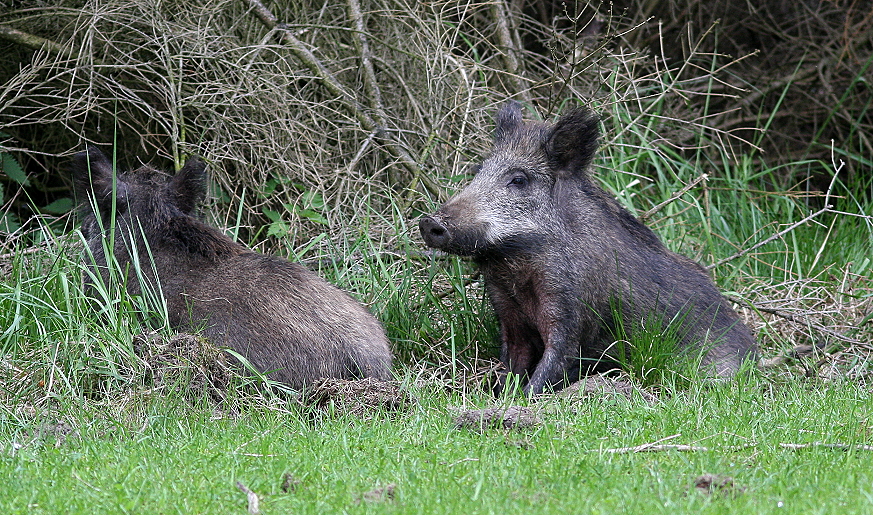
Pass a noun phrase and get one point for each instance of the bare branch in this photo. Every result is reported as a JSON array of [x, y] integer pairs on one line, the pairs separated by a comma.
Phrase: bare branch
[[778, 235], [501, 12], [371, 87], [797, 320], [827, 207], [31, 41], [651, 212], [327, 79]]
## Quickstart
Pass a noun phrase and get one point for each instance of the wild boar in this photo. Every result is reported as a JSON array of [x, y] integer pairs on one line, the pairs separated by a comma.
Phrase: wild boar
[[288, 322], [561, 259]]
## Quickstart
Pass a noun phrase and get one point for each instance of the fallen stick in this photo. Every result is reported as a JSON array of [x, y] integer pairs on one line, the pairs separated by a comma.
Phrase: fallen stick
[[655, 447], [647, 447], [252, 498], [837, 446]]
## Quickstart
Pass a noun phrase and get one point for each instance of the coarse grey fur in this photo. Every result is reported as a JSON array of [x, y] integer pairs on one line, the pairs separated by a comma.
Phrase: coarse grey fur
[[560, 256], [284, 319]]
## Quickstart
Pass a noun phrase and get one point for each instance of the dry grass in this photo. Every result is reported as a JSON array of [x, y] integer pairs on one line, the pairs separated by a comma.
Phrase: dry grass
[[819, 327], [283, 114]]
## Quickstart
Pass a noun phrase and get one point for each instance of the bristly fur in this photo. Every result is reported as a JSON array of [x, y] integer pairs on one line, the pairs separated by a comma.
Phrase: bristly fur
[[573, 141], [555, 250], [288, 322]]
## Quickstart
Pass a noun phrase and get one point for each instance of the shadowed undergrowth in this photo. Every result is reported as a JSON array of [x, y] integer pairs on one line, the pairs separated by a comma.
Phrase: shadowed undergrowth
[[333, 166]]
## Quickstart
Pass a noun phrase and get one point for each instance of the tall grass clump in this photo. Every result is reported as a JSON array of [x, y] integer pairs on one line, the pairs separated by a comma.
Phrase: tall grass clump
[[330, 128], [650, 350], [57, 341], [433, 306]]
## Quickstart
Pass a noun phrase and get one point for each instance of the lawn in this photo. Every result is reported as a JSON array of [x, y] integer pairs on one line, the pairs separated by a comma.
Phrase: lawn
[[155, 456]]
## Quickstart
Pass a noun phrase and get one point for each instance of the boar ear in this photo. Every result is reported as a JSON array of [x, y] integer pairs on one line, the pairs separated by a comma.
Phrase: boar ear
[[571, 143], [508, 120], [92, 171], [188, 187]]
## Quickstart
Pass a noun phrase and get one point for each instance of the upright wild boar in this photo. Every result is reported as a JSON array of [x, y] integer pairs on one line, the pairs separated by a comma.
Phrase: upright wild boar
[[284, 319], [560, 257]]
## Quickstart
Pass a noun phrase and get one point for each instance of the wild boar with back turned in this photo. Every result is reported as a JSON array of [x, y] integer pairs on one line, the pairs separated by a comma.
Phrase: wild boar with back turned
[[561, 258], [284, 319]]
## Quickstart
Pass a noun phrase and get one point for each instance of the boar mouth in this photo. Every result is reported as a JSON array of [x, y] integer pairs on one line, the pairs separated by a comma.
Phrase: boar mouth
[[437, 234], [474, 241]]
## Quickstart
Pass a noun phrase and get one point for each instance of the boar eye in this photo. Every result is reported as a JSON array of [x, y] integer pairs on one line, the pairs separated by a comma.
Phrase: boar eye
[[519, 180]]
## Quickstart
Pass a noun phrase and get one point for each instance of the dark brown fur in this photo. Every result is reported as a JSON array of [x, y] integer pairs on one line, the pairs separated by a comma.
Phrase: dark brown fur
[[283, 318], [558, 253]]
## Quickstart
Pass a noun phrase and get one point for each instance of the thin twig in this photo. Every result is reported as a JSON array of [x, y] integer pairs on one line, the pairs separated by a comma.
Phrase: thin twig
[[657, 446], [648, 214], [778, 235], [795, 319], [653, 448], [827, 207], [838, 446], [25, 252], [252, 498], [640, 448], [327, 79]]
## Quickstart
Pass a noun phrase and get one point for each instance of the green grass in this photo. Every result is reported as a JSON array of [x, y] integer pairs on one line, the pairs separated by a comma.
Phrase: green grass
[[650, 350], [66, 359], [154, 461], [63, 343], [80, 432], [84, 429]]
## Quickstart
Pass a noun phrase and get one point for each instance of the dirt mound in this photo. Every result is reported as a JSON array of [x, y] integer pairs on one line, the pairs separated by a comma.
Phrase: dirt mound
[[360, 397], [185, 361], [499, 417]]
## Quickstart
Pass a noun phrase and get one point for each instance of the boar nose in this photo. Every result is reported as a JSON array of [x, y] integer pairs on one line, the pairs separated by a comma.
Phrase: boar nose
[[435, 234]]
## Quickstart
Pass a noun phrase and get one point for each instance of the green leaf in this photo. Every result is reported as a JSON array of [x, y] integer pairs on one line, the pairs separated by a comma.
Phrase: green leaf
[[269, 188], [272, 215], [313, 199], [59, 206], [13, 169], [313, 216], [278, 229], [9, 223]]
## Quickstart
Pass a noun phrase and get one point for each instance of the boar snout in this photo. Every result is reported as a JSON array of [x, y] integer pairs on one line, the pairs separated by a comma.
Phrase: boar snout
[[434, 232]]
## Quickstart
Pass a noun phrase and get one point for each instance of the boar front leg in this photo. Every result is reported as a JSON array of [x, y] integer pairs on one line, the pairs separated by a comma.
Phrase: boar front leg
[[554, 365], [521, 348]]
